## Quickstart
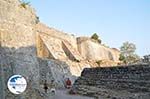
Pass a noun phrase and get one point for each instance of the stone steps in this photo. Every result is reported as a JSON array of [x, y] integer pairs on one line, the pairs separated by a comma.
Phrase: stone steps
[[118, 84], [118, 70], [121, 76], [132, 79]]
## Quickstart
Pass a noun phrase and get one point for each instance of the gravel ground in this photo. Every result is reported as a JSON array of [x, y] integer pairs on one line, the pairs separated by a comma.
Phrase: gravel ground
[[62, 94]]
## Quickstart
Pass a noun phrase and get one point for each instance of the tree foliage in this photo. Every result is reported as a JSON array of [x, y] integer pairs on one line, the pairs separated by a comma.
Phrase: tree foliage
[[128, 55], [121, 57]]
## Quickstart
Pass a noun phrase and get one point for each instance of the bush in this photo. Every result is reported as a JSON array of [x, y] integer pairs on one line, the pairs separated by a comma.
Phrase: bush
[[96, 38], [24, 4], [99, 62], [99, 41], [122, 58], [37, 19]]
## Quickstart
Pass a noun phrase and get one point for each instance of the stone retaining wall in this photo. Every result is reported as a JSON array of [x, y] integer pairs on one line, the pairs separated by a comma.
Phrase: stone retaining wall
[[132, 79]]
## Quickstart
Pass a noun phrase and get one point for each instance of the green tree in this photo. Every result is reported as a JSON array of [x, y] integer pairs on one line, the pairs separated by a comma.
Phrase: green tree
[[128, 55]]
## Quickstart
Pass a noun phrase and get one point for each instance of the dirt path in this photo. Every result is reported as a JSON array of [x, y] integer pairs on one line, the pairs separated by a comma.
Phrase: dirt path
[[62, 94]]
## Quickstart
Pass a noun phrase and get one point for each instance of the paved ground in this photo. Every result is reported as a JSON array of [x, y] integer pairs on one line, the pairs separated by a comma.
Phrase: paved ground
[[62, 94]]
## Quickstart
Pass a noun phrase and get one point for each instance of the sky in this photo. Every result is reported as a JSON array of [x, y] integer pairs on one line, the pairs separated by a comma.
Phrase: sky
[[115, 21]]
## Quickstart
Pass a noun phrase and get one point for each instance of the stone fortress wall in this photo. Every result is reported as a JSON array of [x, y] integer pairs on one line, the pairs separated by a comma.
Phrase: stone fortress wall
[[37, 52], [16, 24], [17, 47], [76, 52], [63, 46], [95, 51]]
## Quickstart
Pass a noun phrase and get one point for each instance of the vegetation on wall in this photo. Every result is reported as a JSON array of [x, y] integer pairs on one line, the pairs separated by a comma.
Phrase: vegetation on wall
[[96, 38], [99, 62], [24, 3], [37, 19]]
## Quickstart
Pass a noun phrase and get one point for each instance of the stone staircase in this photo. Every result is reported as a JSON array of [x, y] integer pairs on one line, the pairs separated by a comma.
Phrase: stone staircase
[[132, 79]]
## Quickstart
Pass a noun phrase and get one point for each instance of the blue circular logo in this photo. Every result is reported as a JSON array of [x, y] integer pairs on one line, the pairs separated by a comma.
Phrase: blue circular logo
[[17, 84]]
